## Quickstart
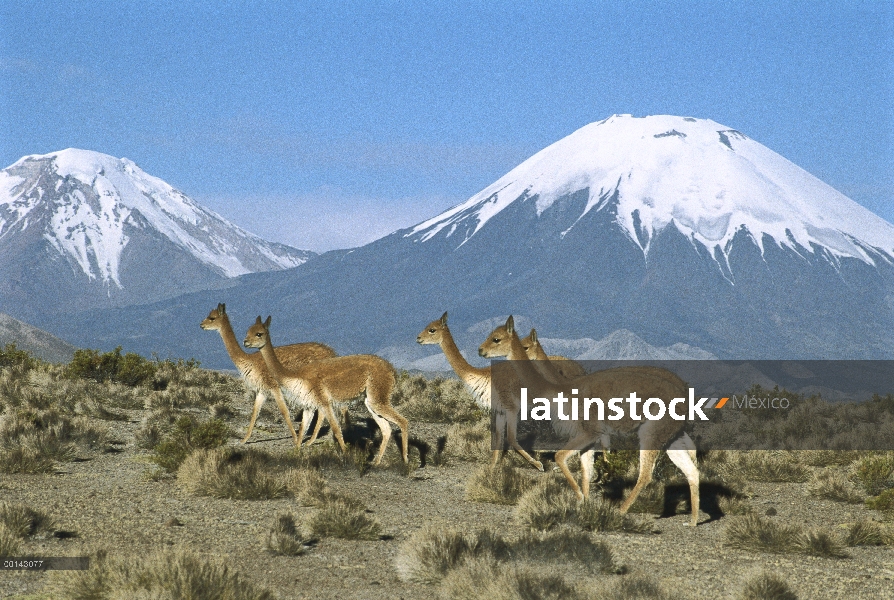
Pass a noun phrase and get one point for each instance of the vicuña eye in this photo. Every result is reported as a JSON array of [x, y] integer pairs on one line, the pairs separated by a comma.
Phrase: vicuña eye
[[431, 330]]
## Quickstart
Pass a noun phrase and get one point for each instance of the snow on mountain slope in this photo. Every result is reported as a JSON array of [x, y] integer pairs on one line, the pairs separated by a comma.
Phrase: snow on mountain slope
[[707, 179], [87, 203]]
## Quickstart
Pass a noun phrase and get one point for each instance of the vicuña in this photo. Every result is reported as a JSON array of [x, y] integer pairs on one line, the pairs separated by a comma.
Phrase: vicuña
[[256, 376], [505, 403], [331, 381], [649, 382]]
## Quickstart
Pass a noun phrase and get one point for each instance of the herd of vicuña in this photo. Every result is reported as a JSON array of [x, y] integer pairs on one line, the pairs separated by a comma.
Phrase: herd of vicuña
[[310, 376]]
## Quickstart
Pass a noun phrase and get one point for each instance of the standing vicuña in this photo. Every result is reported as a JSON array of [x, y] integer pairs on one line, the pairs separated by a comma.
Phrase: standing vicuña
[[478, 379], [255, 374], [336, 380], [649, 382]]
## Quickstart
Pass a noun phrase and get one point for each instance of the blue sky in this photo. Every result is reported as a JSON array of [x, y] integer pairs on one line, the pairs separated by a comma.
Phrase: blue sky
[[326, 125]]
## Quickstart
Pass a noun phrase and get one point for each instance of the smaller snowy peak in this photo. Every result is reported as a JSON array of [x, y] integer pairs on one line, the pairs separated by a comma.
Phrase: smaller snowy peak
[[88, 205], [708, 180]]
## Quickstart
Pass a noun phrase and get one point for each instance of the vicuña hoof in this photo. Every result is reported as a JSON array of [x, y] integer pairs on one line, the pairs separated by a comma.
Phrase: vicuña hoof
[[538, 465]]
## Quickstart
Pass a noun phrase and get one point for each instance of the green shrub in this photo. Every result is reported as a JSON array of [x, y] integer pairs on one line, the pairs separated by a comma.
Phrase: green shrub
[[884, 501], [875, 473], [130, 369], [187, 435], [11, 356]]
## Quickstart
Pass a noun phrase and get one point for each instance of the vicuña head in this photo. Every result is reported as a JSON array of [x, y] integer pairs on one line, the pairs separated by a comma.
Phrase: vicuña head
[[258, 335], [214, 320], [434, 331]]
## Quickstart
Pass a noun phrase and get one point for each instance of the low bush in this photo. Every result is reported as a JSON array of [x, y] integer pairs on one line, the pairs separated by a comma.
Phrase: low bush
[[11, 356], [439, 400]]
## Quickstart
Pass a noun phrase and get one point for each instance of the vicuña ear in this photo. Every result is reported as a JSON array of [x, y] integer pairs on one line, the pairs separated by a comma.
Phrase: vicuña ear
[[258, 320], [267, 322], [444, 318], [510, 325], [222, 308], [534, 336]]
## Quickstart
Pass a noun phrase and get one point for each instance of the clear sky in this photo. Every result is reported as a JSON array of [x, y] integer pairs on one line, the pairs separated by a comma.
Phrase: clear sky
[[328, 124]]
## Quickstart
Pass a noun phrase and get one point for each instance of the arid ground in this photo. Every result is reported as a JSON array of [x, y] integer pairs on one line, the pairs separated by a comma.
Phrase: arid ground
[[106, 491]]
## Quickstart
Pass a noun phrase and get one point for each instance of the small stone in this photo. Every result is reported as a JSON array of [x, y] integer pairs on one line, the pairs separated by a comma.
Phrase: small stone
[[173, 522], [771, 512]]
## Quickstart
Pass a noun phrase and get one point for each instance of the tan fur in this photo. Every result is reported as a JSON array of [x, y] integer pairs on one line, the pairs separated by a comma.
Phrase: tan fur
[[331, 381], [649, 382], [258, 379], [506, 403]]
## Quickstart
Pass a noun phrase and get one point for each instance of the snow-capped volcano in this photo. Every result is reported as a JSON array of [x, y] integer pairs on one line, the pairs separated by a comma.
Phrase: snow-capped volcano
[[705, 179], [680, 231], [81, 226], [85, 202]]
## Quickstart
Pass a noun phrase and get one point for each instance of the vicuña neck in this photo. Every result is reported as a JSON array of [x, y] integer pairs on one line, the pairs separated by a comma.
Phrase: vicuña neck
[[272, 361], [524, 368], [460, 365], [230, 342]]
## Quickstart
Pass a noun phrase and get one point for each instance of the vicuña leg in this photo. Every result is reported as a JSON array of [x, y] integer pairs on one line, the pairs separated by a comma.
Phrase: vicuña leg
[[284, 410], [259, 402], [333, 423], [647, 460], [581, 440], [682, 453], [499, 424], [382, 413], [511, 434]]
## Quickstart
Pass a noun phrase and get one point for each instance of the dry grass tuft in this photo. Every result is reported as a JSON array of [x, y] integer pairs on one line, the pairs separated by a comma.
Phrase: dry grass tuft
[[883, 502], [637, 587], [752, 532], [232, 474], [497, 484], [343, 518], [9, 542], [431, 554], [470, 441], [767, 586], [833, 485], [821, 543], [178, 574], [23, 521], [767, 466], [867, 533], [551, 503], [284, 539], [32, 441], [486, 580], [761, 535]]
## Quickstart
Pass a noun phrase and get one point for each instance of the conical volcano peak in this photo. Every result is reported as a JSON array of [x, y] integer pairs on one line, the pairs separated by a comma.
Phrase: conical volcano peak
[[709, 180]]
